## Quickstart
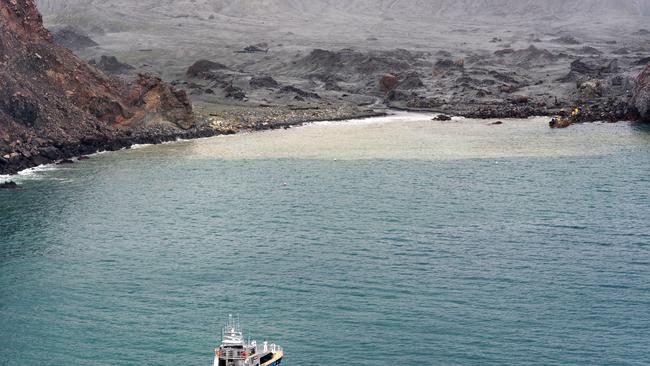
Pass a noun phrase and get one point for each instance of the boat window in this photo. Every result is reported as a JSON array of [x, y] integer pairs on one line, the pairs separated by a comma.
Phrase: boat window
[[266, 358]]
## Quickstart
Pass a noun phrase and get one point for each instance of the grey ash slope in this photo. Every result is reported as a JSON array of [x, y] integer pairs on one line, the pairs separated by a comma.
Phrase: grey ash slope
[[405, 37]]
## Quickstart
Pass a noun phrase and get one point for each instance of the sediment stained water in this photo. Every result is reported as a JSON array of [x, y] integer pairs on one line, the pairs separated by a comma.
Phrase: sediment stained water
[[377, 242]]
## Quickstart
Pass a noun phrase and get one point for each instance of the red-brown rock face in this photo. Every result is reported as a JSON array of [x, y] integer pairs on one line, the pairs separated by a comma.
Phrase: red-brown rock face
[[48, 96]]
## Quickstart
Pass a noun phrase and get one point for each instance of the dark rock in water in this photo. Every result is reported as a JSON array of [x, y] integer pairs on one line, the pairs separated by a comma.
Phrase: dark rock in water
[[203, 66], [388, 82], [442, 117], [234, 92], [566, 40], [65, 161], [263, 82], [301, 93], [71, 38], [111, 65], [9, 185], [83, 157], [642, 62], [641, 98], [496, 123]]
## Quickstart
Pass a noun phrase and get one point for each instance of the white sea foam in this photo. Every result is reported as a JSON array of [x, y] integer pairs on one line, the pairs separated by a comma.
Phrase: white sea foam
[[29, 174]]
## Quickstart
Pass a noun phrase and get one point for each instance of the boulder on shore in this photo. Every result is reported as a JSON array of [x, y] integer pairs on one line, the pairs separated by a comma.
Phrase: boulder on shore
[[111, 65], [203, 66], [388, 82]]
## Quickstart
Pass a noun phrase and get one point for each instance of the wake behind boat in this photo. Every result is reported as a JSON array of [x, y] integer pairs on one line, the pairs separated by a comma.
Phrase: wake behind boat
[[235, 351]]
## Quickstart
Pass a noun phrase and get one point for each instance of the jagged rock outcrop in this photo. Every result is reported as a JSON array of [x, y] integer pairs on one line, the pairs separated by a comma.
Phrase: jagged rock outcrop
[[52, 101], [641, 99], [111, 65]]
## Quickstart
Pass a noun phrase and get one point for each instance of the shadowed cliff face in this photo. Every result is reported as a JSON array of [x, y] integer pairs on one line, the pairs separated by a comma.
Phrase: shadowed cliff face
[[50, 98]]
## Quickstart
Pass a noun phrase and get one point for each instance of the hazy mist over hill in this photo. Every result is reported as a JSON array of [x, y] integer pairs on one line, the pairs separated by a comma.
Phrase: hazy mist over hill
[[402, 8]]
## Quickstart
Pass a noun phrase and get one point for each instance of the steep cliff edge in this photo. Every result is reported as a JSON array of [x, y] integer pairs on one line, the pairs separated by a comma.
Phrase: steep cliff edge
[[54, 105]]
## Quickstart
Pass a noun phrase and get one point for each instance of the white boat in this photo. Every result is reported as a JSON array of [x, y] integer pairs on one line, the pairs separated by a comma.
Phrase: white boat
[[235, 351]]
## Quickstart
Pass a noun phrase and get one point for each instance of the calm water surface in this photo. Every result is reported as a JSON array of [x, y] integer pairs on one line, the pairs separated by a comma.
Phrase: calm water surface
[[394, 241]]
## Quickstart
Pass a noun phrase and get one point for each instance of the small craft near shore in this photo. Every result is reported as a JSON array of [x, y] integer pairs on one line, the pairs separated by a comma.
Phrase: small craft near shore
[[235, 351]]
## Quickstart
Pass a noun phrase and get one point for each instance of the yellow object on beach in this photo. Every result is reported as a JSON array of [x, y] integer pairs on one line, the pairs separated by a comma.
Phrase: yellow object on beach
[[575, 112]]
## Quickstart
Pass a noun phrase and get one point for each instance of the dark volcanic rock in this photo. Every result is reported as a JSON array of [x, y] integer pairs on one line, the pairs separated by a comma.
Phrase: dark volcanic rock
[[641, 99], [590, 50], [533, 56], [411, 81], [71, 38], [263, 82], [21, 108], [442, 117], [9, 185], [203, 66], [566, 40], [449, 64], [299, 92], [234, 92], [347, 61], [262, 47], [642, 62], [594, 68], [110, 65], [503, 52]]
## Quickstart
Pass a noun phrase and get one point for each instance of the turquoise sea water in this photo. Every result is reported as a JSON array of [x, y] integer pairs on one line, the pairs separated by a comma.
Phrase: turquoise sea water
[[387, 242]]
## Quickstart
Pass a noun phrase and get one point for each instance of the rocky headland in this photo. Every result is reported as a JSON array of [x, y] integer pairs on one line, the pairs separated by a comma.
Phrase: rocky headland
[[54, 105]]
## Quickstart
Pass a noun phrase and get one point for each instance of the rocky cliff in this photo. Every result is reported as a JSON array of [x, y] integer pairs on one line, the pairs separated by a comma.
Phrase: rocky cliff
[[54, 105], [641, 98]]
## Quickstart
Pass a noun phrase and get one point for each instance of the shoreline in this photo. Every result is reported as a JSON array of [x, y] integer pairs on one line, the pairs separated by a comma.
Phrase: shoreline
[[90, 146], [71, 152]]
